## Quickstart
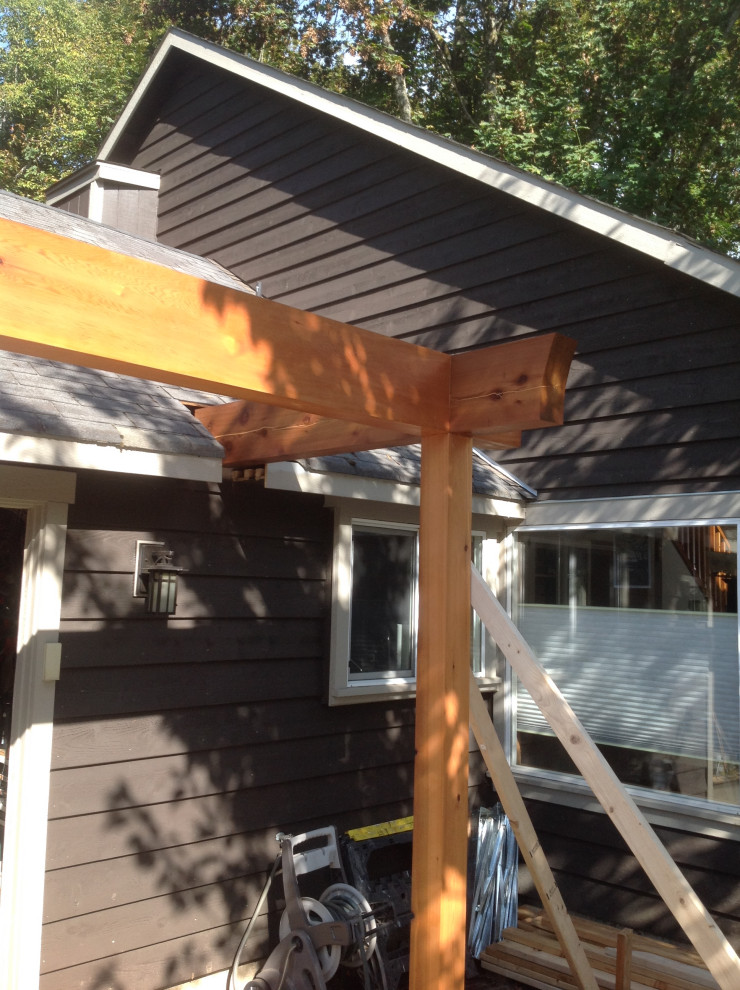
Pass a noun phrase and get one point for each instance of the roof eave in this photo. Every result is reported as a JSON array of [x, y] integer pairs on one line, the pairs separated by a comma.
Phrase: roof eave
[[76, 455]]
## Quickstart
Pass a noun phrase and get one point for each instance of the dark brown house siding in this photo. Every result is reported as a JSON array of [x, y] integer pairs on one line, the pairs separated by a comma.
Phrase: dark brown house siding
[[330, 219], [182, 746], [78, 203], [599, 878], [130, 209]]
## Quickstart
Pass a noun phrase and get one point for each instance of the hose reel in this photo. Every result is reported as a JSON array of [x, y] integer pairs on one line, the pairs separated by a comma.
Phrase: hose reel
[[343, 903], [346, 903], [316, 936]]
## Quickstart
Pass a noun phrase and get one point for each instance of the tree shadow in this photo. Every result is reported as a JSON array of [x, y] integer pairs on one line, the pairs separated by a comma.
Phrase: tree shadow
[[183, 746]]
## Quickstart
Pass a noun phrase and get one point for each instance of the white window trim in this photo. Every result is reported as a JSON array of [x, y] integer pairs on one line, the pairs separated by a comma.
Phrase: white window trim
[[350, 512], [660, 808], [45, 495]]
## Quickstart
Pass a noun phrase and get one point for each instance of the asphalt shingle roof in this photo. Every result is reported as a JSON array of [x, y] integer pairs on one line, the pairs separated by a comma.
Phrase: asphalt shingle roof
[[40, 398], [56, 401]]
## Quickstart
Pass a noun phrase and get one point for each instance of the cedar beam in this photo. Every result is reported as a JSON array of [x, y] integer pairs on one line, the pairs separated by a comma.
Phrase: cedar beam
[[439, 863], [519, 385], [253, 433], [66, 300], [498, 441]]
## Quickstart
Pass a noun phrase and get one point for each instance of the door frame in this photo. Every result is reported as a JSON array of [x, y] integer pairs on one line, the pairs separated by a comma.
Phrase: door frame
[[45, 495]]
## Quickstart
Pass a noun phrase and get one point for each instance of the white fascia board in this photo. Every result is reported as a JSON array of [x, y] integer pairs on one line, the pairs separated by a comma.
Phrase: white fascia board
[[289, 476], [659, 243], [73, 184], [108, 172], [638, 510], [73, 455], [105, 172], [293, 477]]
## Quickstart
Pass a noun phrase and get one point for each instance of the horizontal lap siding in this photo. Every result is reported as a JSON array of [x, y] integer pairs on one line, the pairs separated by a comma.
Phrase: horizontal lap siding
[[181, 746], [332, 220], [652, 406], [599, 878]]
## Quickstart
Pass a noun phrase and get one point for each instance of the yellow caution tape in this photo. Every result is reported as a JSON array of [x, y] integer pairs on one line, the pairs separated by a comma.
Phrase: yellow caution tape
[[384, 828]]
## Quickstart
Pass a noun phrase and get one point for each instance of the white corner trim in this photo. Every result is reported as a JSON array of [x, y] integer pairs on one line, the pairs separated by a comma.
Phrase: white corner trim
[[29, 758], [660, 243], [74, 455], [95, 205], [291, 476]]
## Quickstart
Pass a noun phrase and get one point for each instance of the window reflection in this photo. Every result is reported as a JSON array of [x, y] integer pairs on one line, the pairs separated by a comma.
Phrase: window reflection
[[638, 628]]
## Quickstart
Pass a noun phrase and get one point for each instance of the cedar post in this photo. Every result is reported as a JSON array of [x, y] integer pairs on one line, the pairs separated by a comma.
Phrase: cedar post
[[439, 866]]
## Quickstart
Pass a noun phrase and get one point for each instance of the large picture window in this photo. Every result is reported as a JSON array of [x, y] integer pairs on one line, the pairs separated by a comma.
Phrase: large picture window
[[639, 630]]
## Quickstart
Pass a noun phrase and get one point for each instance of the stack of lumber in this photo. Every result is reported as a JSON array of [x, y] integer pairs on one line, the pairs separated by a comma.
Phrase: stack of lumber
[[621, 960]]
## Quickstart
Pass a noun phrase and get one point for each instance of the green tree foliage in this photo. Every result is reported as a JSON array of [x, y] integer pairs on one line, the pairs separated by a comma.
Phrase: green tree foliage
[[635, 102], [66, 68]]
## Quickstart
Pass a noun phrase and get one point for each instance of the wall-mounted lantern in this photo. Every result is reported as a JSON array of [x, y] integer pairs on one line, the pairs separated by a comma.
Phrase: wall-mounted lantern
[[155, 577]]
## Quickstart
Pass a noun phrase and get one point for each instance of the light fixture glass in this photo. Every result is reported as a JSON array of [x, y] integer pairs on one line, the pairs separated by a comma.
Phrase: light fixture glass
[[161, 595], [155, 577]]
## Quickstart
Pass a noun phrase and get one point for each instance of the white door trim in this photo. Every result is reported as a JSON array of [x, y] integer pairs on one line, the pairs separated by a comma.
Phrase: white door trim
[[24, 859]]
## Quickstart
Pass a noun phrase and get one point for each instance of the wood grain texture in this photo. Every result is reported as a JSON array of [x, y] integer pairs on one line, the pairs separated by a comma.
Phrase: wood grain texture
[[56, 294], [517, 386], [256, 434], [440, 776]]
